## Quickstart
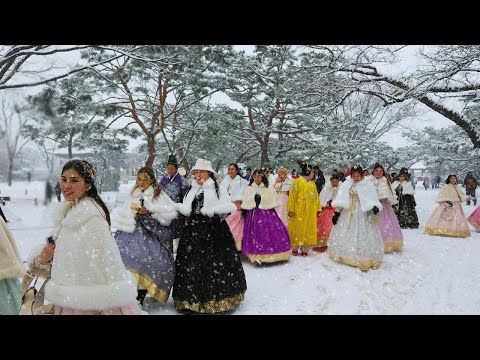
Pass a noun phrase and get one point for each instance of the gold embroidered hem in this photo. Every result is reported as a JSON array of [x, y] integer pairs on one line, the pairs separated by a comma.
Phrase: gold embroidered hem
[[238, 245], [269, 258], [473, 223], [309, 242], [154, 291], [364, 265], [213, 306], [393, 245], [447, 232], [322, 242]]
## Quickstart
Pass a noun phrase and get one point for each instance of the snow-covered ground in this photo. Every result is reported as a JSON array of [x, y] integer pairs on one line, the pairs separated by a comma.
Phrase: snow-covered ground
[[432, 275]]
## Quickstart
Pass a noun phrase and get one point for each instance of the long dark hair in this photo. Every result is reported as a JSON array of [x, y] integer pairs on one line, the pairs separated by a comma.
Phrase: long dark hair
[[157, 188], [385, 174], [212, 176], [262, 174], [448, 179], [235, 166], [85, 170]]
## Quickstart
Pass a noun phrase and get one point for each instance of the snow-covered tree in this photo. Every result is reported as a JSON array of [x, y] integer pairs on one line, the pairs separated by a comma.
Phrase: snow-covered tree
[[68, 116], [33, 65], [13, 121], [156, 82], [446, 151], [446, 72]]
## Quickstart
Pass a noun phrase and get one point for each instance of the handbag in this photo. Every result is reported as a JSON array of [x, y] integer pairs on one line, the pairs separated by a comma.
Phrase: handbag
[[33, 299], [447, 213]]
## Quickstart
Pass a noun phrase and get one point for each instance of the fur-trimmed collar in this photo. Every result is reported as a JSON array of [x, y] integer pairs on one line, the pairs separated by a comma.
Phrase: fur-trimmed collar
[[208, 184], [269, 197], [138, 192], [366, 193], [212, 204], [75, 215]]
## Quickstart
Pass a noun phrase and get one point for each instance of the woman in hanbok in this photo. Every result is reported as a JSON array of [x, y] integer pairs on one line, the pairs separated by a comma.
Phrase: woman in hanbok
[[235, 186], [303, 207], [356, 239], [87, 275], [324, 220], [176, 187], [474, 219], [282, 185], [405, 207], [11, 268], [209, 273], [389, 227], [265, 238], [448, 218], [144, 236]]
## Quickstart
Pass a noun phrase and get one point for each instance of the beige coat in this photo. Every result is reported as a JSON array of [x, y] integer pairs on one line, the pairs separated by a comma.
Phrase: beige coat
[[11, 265]]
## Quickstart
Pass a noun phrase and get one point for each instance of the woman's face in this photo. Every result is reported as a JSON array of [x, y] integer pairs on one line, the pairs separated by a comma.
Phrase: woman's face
[[453, 180], [282, 175], [171, 170], [356, 176], [401, 177], [201, 176], [378, 173], [143, 181], [73, 185], [334, 182], [257, 179], [232, 172]]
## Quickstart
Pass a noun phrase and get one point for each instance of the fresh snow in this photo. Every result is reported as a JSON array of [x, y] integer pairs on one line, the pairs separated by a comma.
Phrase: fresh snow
[[432, 275]]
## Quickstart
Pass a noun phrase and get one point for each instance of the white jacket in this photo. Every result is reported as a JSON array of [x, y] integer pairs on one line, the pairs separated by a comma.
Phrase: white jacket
[[235, 187], [384, 191], [366, 193], [87, 271], [406, 185], [211, 203], [163, 210]]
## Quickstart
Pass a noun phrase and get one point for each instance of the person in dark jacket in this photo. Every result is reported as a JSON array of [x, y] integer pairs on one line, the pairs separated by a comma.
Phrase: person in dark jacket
[[318, 178], [470, 185]]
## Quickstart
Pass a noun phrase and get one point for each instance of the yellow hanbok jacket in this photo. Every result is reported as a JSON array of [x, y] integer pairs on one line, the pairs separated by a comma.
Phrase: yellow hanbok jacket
[[303, 200]]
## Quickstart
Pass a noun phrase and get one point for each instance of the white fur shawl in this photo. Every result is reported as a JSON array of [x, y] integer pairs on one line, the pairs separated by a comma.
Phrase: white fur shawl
[[406, 185], [87, 271], [366, 193], [283, 186], [270, 199], [211, 203], [452, 193], [163, 210], [329, 193], [383, 189], [11, 265], [238, 186]]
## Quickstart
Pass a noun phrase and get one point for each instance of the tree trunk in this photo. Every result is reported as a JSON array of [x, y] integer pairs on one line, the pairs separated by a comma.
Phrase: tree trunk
[[264, 160], [151, 150], [456, 118], [70, 145], [10, 171]]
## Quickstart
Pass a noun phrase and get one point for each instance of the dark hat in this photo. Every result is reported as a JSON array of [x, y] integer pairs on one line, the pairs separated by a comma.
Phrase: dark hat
[[172, 160], [306, 169]]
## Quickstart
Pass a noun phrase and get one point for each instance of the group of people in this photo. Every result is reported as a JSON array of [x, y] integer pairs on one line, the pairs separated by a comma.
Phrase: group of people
[[87, 270]]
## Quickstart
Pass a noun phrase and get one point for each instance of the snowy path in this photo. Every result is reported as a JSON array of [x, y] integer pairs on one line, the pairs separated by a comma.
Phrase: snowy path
[[432, 275]]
